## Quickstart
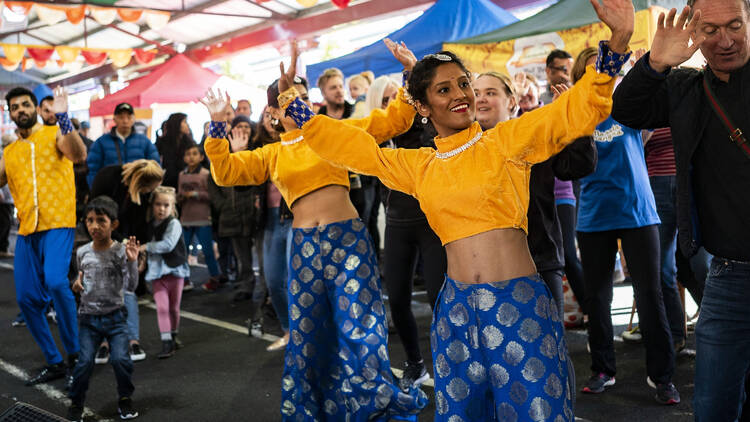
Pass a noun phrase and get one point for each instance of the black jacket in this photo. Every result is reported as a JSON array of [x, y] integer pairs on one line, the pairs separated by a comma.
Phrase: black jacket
[[545, 236], [402, 209], [647, 100], [132, 217]]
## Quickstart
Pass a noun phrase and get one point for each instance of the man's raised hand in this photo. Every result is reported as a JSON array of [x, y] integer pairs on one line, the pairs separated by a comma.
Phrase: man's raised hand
[[671, 46]]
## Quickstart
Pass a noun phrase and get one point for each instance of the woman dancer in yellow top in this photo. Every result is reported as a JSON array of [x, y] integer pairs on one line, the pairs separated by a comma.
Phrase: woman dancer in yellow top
[[336, 364], [490, 339]]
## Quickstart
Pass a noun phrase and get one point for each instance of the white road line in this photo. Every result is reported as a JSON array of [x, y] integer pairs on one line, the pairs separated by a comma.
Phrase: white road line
[[243, 330], [212, 321], [47, 389], [6, 265]]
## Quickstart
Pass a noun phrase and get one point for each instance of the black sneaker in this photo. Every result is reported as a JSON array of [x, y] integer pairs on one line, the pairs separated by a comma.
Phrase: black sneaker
[[177, 343], [102, 355], [47, 374], [254, 329], [167, 349], [665, 393], [125, 408], [75, 413], [72, 362], [414, 375], [598, 382], [136, 352]]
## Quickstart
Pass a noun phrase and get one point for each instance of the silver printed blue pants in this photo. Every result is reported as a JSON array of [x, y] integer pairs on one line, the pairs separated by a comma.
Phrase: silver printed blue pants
[[336, 365], [499, 353]]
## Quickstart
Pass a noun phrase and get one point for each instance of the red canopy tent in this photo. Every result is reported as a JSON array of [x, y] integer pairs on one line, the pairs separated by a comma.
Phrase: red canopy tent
[[179, 80]]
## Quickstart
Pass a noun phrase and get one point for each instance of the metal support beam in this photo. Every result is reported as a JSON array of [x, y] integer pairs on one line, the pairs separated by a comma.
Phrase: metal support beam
[[175, 16], [202, 12], [264, 33], [165, 48]]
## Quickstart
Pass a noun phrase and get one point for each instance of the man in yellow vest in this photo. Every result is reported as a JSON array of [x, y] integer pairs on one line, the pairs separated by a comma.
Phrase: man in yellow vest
[[38, 168]]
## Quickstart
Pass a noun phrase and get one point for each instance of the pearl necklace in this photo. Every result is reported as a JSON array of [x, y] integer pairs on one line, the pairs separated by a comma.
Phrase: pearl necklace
[[462, 148], [292, 142]]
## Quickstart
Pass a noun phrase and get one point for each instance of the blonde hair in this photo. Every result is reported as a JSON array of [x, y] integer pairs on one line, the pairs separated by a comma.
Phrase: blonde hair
[[374, 98], [367, 77], [328, 74], [166, 191], [510, 87], [579, 67], [139, 174]]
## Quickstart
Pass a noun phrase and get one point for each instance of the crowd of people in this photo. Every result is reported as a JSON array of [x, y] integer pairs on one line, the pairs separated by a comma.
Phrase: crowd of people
[[492, 187]]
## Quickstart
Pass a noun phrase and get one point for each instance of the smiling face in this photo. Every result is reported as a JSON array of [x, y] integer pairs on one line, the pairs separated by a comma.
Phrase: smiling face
[[450, 100], [494, 105], [22, 111], [724, 23]]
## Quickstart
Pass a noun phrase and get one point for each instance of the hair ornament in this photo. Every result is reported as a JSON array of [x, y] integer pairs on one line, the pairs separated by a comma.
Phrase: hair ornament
[[441, 57]]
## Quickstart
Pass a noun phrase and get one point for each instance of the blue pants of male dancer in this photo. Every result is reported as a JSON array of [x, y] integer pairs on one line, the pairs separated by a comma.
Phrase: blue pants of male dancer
[[41, 274]]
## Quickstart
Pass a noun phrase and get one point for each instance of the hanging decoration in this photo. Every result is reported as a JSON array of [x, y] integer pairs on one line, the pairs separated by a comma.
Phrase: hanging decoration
[[8, 65], [94, 58], [14, 52], [130, 15], [341, 4], [51, 14], [143, 56], [307, 3], [103, 15], [120, 58], [40, 54], [67, 54], [156, 20], [20, 7]]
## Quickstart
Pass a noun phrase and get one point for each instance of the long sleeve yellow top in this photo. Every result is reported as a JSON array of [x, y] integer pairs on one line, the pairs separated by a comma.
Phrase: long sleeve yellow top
[[476, 181], [291, 165]]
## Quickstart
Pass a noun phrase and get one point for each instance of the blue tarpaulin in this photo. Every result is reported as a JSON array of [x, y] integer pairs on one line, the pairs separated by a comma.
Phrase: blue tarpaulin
[[445, 21]]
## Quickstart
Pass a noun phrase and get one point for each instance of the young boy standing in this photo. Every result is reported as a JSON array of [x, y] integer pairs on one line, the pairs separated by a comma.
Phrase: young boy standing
[[105, 268], [195, 216]]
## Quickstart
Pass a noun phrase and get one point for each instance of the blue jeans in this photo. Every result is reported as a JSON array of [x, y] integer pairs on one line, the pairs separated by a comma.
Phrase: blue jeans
[[665, 189], [276, 246], [205, 236], [93, 330], [722, 342], [131, 304]]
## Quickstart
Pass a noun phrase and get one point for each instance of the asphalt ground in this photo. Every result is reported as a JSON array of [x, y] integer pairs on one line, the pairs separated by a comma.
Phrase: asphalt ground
[[222, 374]]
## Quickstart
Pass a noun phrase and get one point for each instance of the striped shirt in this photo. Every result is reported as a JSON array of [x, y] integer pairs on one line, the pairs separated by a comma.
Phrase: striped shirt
[[660, 153]]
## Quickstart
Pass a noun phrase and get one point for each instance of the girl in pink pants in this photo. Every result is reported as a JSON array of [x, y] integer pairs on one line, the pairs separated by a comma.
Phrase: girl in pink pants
[[167, 266]]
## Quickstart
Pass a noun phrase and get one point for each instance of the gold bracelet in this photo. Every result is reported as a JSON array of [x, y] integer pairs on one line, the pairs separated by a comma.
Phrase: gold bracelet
[[286, 98]]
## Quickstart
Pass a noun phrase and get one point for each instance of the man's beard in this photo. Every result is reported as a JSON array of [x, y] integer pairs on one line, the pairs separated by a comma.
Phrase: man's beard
[[28, 123], [51, 122]]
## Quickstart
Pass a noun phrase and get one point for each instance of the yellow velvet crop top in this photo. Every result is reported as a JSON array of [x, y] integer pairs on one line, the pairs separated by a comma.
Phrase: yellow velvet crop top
[[476, 181], [291, 165]]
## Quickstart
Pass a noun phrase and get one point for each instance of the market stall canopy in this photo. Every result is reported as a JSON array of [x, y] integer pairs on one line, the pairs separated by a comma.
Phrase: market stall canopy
[[179, 80], [565, 14], [570, 25], [446, 20]]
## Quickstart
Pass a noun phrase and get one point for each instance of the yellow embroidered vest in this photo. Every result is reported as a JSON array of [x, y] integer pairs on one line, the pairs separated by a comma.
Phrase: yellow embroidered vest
[[41, 181]]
